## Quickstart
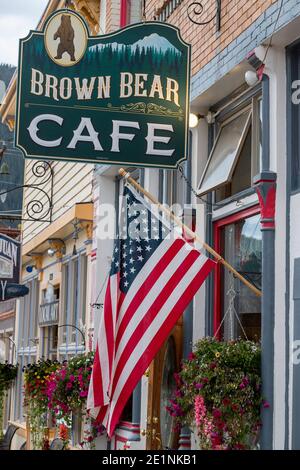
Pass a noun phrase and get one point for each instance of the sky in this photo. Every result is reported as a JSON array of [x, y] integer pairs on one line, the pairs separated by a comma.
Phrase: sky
[[17, 17]]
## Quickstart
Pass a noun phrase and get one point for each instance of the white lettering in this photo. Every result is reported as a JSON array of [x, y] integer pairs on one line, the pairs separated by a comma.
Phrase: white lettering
[[84, 91], [33, 129], [92, 136], [103, 87], [152, 138], [139, 84], [117, 135], [126, 85], [156, 88], [51, 84], [172, 89], [65, 88], [37, 80], [296, 94]]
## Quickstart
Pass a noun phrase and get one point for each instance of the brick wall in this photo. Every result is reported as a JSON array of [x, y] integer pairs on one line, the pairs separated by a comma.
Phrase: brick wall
[[236, 16]]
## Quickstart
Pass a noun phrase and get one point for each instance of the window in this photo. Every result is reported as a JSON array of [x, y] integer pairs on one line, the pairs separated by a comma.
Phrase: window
[[293, 128], [237, 309], [131, 12], [26, 342], [166, 10], [236, 155], [74, 300]]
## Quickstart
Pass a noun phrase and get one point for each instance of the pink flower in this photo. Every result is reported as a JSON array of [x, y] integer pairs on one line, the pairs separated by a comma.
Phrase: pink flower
[[83, 393], [200, 409], [69, 385], [266, 404], [71, 378]]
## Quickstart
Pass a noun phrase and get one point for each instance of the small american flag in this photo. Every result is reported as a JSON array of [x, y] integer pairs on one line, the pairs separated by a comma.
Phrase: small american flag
[[154, 275]]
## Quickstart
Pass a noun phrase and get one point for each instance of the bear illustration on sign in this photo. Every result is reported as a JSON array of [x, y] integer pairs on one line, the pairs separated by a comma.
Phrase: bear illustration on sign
[[66, 34]]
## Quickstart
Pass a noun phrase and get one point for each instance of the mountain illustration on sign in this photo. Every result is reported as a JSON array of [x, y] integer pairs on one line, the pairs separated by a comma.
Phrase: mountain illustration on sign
[[152, 42], [66, 34]]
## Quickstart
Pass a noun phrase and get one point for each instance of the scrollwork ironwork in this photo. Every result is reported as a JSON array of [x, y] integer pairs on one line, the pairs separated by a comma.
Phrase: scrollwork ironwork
[[196, 9], [37, 210]]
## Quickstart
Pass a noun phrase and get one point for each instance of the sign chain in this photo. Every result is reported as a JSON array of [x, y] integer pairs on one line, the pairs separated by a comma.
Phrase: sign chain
[[212, 205]]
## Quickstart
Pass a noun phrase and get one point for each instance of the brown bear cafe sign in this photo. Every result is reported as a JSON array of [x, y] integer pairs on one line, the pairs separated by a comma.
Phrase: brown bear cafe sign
[[120, 98]]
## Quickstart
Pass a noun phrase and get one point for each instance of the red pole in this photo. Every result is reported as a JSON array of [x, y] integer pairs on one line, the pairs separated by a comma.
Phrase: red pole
[[123, 13]]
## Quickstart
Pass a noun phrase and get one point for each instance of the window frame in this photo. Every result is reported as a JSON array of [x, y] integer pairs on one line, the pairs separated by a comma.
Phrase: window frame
[[72, 307], [217, 291], [237, 152], [227, 110]]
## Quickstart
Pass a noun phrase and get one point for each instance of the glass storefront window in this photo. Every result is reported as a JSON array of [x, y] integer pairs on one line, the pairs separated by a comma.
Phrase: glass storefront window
[[241, 245]]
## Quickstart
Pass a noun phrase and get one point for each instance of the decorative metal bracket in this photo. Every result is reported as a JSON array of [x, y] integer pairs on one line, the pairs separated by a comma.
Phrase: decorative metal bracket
[[196, 9], [36, 210]]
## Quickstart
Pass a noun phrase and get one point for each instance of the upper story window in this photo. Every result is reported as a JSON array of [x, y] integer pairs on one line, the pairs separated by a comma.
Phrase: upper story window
[[294, 127], [236, 154], [167, 8], [131, 12], [73, 300], [28, 316]]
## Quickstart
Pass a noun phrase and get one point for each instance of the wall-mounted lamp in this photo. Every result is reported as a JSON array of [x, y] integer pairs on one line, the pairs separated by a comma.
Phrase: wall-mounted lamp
[[194, 120], [30, 268], [251, 78], [57, 247], [75, 235]]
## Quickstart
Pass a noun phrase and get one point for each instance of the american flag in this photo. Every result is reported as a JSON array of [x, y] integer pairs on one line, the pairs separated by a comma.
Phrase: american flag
[[154, 275]]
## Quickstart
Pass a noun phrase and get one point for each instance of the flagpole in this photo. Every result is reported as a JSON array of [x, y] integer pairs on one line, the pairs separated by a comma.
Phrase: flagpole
[[190, 232]]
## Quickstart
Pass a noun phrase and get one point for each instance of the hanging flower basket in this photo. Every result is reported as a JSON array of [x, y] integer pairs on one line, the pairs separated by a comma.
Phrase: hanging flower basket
[[8, 373], [219, 394]]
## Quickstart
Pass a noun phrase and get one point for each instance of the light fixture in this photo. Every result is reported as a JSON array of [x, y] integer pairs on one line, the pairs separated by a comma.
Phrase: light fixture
[[51, 252], [251, 78], [30, 268], [4, 169], [75, 236], [193, 120], [57, 247]]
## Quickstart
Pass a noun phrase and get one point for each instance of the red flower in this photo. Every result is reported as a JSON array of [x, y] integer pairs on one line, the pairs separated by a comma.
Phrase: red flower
[[191, 356]]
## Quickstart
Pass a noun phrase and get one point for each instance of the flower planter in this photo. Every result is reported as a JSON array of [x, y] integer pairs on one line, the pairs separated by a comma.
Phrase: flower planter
[[219, 395]]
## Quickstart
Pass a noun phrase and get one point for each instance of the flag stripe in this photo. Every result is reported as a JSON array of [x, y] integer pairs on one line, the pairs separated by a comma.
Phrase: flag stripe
[[156, 324], [145, 288], [160, 287], [108, 320], [143, 274], [97, 384], [128, 346], [155, 344]]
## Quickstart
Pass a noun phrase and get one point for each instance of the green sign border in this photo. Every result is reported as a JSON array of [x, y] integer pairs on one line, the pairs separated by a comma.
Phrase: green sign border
[[104, 36]]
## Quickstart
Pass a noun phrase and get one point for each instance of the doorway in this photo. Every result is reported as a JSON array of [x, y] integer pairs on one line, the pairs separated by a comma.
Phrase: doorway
[[160, 425]]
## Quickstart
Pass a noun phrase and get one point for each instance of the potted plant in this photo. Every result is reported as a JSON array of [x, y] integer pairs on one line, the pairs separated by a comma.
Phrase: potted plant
[[218, 394]]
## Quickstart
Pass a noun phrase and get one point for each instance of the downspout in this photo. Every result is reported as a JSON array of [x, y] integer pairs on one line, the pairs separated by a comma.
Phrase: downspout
[[265, 184]]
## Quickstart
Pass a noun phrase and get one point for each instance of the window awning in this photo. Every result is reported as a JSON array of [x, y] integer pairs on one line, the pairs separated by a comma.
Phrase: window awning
[[225, 153]]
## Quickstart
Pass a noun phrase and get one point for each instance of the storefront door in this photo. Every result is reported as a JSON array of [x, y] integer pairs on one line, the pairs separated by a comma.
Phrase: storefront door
[[160, 425]]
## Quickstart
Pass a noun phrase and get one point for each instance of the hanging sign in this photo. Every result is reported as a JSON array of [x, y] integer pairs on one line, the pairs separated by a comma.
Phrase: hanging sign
[[120, 98]]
